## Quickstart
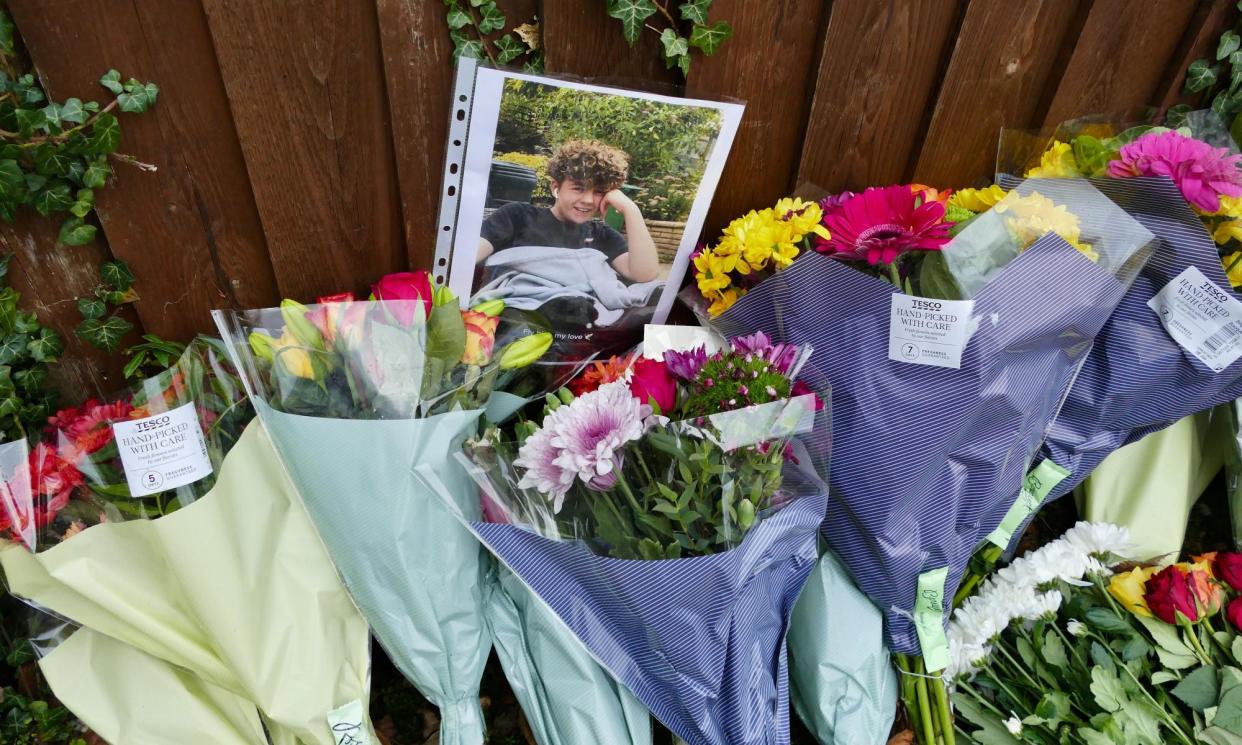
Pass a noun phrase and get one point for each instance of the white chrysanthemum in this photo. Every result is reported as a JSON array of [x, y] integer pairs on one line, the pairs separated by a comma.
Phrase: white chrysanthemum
[[1042, 605], [1014, 725], [965, 655], [1100, 539], [1076, 627], [1057, 560], [538, 457]]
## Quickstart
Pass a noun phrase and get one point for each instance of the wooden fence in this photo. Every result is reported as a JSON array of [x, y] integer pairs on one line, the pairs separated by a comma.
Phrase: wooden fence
[[300, 142]]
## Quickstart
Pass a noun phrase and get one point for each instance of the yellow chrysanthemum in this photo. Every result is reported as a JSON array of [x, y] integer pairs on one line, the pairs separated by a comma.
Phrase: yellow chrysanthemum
[[1230, 207], [803, 217], [1033, 216], [1227, 231], [710, 275], [1057, 162], [724, 301], [1233, 268], [977, 200]]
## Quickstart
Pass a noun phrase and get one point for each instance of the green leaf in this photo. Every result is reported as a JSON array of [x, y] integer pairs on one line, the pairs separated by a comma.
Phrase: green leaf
[[52, 161], [1163, 676], [1200, 689], [1165, 635], [992, 730], [55, 198], [1229, 43], [1236, 648], [71, 111], [117, 274], [1200, 76], [96, 174], [29, 120], [675, 45], [13, 348], [1107, 689], [491, 19], [6, 34], [709, 38], [1105, 620], [12, 180], [91, 307], [457, 18], [1229, 711], [104, 334], [84, 202], [75, 232], [51, 114], [464, 46], [631, 13], [1094, 737], [695, 11], [510, 49], [1054, 650], [105, 135], [1054, 707], [46, 346], [112, 81], [1135, 648]]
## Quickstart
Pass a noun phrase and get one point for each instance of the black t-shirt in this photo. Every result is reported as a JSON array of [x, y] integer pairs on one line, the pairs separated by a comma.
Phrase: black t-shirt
[[521, 224]]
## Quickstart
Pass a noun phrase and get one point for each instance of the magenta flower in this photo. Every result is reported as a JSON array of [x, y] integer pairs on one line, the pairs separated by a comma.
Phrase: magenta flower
[[881, 224], [780, 356], [685, 365], [1203, 173]]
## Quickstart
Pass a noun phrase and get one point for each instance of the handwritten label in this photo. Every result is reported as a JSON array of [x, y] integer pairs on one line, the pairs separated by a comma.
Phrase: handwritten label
[[1201, 317], [1038, 484], [348, 725], [929, 619], [162, 451], [926, 331]]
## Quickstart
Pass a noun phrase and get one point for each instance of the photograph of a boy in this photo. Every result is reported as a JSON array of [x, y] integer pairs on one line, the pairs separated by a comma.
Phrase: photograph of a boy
[[585, 179]]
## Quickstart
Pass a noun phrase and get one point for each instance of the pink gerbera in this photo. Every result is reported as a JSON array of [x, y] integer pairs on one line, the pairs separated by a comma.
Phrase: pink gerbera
[[881, 224], [1203, 173]]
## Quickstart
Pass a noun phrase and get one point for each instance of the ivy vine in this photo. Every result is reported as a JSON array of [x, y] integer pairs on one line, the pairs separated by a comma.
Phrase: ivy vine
[[1217, 83], [475, 26], [54, 155]]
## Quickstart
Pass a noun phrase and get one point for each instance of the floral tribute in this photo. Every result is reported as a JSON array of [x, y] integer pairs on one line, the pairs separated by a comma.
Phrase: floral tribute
[[656, 458]]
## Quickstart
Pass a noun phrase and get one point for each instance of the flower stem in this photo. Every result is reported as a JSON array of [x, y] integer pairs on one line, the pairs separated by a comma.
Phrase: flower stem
[[920, 683], [894, 274], [942, 709]]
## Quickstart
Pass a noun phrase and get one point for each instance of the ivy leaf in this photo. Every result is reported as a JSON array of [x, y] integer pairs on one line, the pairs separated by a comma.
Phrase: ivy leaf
[[12, 348], [52, 114], [631, 13], [12, 181], [695, 11], [91, 307], [463, 46], [709, 38], [457, 18], [509, 48], [55, 198], [117, 274], [6, 35], [1229, 43], [46, 346], [105, 135], [112, 81], [104, 334], [137, 96], [52, 161], [675, 45], [96, 174], [1200, 76], [29, 120], [534, 64], [491, 19], [71, 111], [75, 232]]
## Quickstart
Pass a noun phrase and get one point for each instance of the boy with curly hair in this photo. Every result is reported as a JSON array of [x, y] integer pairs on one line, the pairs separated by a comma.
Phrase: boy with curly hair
[[585, 178]]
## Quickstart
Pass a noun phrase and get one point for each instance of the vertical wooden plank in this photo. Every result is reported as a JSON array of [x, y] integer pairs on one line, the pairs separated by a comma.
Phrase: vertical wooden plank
[[1120, 57], [50, 278], [581, 39], [1002, 62], [1210, 20], [878, 74], [418, 70], [189, 230], [306, 85], [765, 154]]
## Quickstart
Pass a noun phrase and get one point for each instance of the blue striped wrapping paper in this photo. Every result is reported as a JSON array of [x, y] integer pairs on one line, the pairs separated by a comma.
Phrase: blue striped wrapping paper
[[1137, 379], [699, 640], [926, 460]]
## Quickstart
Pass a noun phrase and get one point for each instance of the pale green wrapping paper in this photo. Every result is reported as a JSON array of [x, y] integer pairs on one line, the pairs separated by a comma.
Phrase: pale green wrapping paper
[[236, 589]]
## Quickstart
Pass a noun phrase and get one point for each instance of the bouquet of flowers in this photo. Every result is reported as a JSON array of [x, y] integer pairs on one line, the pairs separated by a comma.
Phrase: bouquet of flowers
[[1172, 347], [961, 382], [1059, 647], [146, 511], [355, 394], [667, 512]]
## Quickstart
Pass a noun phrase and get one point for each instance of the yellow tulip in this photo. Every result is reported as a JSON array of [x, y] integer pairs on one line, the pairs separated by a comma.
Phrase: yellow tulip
[[1128, 588]]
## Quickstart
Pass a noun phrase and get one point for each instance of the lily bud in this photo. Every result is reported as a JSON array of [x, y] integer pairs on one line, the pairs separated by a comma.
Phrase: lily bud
[[491, 307], [297, 325], [525, 351], [262, 345]]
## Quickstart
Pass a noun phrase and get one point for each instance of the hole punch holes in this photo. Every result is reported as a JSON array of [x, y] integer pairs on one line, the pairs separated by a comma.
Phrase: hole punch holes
[[461, 115], [442, 261], [452, 168], [462, 98], [447, 228], [452, 190], [456, 143]]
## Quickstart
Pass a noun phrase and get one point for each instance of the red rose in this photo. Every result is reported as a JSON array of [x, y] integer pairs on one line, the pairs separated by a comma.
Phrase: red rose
[[1228, 567], [651, 381], [405, 286], [1234, 613], [340, 297], [1169, 592]]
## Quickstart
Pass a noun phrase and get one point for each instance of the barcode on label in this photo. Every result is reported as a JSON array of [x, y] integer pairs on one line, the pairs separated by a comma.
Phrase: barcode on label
[[1230, 330]]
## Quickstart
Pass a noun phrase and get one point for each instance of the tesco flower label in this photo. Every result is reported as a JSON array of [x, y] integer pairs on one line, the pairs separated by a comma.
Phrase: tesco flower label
[[1201, 317], [162, 451], [927, 331]]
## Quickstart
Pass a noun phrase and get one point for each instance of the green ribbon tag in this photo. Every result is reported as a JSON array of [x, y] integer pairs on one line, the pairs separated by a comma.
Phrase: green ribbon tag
[[929, 619], [1038, 484], [348, 725]]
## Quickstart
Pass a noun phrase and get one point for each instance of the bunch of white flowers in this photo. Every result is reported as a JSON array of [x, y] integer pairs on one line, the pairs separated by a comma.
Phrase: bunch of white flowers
[[1022, 591]]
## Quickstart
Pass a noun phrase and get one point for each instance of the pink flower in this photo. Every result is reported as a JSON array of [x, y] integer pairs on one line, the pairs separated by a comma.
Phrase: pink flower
[[1203, 173], [686, 365], [881, 224], [651, 380], [1234, 613], [405, 286]]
